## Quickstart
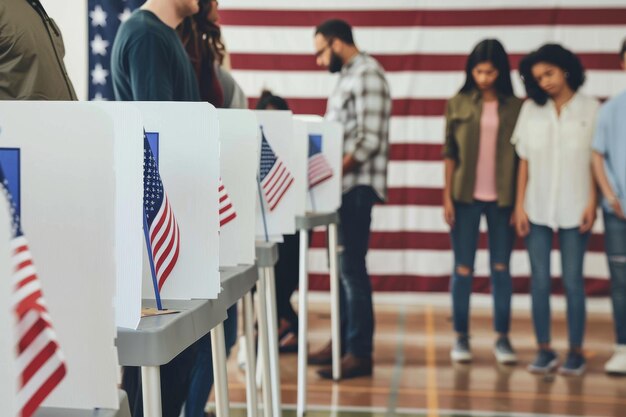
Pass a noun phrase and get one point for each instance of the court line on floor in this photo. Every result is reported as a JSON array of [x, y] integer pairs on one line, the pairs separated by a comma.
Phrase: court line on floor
[[413, 411], [452, 393], [398, 367], [432, 396]]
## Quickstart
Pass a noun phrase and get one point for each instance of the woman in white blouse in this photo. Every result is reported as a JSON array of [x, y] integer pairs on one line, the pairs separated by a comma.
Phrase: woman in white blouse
[[555, 191]]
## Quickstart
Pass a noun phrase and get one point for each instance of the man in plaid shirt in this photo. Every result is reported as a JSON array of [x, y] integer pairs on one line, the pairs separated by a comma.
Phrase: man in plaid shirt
[[362, 104]]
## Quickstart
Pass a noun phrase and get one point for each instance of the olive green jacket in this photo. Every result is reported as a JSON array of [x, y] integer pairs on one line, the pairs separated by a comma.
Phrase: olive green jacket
[[463, 113], [31, 54]]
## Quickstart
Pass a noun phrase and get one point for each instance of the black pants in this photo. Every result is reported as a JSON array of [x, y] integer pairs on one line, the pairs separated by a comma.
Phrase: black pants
[[287, 270], [175, 381]]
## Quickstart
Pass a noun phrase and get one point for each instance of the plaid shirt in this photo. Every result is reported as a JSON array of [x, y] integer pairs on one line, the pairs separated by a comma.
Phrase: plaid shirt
[[362, 104]]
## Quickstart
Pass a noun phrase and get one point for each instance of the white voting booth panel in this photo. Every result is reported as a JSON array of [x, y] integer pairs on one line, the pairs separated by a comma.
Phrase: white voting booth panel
[[277, 127], [188, 159], [8, 384], [239, 156], [128, 149], [67, 208], [301, 150], [326, 197]]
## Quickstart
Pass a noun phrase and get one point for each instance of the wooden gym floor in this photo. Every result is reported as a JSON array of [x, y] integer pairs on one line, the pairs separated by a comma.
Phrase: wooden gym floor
[[413, 375]]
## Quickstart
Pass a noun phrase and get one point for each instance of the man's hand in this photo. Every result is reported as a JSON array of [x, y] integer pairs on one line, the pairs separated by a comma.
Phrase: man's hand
[[349, 164]]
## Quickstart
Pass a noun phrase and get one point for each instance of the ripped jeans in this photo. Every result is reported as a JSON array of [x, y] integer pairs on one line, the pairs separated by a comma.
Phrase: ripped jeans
[[615, 242], [465, 238]]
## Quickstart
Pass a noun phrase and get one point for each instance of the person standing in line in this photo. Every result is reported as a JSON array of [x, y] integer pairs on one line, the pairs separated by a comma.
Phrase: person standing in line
[[31, 54], [202, 39], [149, 63], [361, 102], [555, 192], [609, 167], [480, 165]]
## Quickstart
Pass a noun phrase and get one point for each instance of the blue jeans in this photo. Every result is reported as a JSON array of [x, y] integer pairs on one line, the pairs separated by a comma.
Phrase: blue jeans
[[357, 312], [202, 372], [464, 236], [573, 245], [615, 242]]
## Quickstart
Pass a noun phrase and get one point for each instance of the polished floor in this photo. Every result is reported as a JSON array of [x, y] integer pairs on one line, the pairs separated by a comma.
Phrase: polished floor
[[413, 374]]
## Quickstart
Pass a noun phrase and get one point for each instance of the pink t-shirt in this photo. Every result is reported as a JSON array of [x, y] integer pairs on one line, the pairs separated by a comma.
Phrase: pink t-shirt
[[485, 187]]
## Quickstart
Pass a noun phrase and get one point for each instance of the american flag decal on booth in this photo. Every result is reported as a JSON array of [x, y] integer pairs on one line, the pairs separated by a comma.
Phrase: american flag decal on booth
[[40, 362], [274, 176], [319, 168], [227, 211]]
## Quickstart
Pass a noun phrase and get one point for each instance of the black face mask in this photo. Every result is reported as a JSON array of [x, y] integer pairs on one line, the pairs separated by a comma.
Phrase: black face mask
[[335, 64]]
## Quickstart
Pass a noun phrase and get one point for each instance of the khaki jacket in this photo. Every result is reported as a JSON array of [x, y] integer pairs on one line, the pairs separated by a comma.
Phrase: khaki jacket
[[31, 54], [463, 113]]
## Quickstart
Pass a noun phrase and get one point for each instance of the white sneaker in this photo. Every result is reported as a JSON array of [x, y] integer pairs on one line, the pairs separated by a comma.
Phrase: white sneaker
[[617, 364]]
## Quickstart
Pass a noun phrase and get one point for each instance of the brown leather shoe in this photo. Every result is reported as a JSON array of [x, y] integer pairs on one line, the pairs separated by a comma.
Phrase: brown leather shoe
[[324, 356], [351, 367]]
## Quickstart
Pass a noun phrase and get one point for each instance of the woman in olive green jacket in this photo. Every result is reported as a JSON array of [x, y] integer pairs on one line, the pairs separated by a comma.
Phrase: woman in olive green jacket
[[480, 165]]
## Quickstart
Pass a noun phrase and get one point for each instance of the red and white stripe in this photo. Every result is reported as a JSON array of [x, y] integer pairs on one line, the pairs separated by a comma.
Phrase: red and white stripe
[[165, 241], [422, 44], [227, 211], [40, 362], [319, 170], [276, 183]]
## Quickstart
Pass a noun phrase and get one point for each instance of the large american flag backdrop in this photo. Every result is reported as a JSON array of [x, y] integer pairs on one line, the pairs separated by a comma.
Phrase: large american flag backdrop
[[422, 44]]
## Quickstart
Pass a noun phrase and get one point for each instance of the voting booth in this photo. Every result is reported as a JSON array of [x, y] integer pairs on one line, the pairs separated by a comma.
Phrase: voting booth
[[60, 175], [239, 161], [184, 138], [278, 187], [324, 141], [130, 245]]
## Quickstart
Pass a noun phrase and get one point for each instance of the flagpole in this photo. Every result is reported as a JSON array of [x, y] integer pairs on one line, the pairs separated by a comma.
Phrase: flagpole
[[258, 182], [155, 284]]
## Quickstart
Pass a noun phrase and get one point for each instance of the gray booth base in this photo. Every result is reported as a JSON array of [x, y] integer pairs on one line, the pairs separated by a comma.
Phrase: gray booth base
[[266, 254], [159, 339], [236, 282], [124, 410], [312, 220]]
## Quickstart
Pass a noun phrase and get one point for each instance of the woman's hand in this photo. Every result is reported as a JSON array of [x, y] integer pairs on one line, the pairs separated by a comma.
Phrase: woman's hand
[[448, 211], [588, 218], [522, 224]]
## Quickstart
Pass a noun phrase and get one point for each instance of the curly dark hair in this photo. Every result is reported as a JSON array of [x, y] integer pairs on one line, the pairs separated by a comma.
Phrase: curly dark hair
[[489, 50], [556, 55]]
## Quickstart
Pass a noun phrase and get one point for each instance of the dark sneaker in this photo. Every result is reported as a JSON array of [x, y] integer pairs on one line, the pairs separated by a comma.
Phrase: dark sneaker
[[351, 367], [545, 362], [574, 364], [461, 350], [504, 351]]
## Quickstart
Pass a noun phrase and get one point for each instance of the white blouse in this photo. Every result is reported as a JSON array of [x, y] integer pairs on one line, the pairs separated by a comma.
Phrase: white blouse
[[558, 151]]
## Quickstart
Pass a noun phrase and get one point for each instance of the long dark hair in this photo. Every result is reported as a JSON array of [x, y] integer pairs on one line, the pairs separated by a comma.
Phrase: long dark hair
[[489, 50], [554, 54], [203, 36]]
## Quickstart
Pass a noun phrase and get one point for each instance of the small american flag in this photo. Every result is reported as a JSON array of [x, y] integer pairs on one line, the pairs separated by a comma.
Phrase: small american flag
[[227, 211], [319, 169], [40, 362], [162, 225], [274, 175]]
